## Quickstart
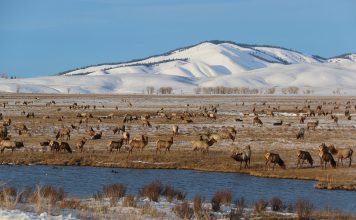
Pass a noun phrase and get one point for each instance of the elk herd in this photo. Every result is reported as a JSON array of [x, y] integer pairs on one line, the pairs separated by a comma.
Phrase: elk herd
[[201, 143]]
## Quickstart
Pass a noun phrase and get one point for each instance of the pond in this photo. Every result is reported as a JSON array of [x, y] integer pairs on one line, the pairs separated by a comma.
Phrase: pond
[[83, 182]]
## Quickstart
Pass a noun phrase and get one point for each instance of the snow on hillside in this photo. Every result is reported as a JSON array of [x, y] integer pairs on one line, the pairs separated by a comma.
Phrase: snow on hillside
[[208, 64]]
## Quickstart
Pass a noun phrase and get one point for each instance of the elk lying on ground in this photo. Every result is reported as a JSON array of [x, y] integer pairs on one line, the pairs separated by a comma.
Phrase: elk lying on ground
[[203, 145], [115, 145], [312, 124], [325, 156], [243, 156], [341, 154], [164, 144], [30, 115], [302, 156], [7, 144], [139, 144], [275, 159], [80, 145]]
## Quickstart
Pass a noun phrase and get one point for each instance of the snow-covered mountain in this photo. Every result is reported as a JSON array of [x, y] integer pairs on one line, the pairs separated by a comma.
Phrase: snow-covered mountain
[[208, 64]]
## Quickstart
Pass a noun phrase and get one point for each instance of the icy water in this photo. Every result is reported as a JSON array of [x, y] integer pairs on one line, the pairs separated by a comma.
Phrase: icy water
[[85, 181]]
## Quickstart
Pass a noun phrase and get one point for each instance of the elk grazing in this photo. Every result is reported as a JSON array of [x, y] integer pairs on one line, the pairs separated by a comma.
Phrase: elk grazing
[[126, 137], [63, 132], [312, 124], [139, 144], [257, 121], [325, 156], [7, 144], [30, 115], [175, 130], [54, 146], [164, 144], [341, 154], [97, 136], [115, 145], [275, 159], [302, 156], [203, 145], [243, 156], [300, 134], [64, 146], [80, 145], [3, 132], [222, 135]]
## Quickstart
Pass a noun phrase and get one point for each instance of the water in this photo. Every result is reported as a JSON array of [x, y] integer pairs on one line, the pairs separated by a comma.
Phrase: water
[[83, 182]]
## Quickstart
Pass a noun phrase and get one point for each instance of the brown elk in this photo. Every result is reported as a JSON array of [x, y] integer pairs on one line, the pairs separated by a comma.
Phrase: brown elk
[[63, 132], [302, 156], [257, 121], [80, 145], [115, 145], [164, 144], [203, 145], [7, 144], [275, 159], [30, 115], [64, 146], [341, 154], [6, 122], [301, 119], [139, 144], [300, 134], [243, 156], [222, 135], [325, 156], [312, 124], [97, 136], [54, 145]]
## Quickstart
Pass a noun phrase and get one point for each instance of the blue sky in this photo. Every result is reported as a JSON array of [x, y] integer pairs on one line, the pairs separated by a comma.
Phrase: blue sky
[[44, 37]]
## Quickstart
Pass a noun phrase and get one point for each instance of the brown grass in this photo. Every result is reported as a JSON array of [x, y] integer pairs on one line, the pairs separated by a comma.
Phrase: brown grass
[[152, 190], [183, 210], [304, 209], [129, 201]]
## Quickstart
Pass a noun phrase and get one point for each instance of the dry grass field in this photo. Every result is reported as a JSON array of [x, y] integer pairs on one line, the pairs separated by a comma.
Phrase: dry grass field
[[233, 111]]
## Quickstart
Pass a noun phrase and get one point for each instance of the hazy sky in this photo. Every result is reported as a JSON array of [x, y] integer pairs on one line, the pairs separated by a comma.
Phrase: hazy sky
[[43, 37]]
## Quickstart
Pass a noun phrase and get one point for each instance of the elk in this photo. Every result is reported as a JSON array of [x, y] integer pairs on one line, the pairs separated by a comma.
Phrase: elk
[[302, 156], [6, 122], [139, 144], [3, 132], [341, 154], [164, 144], [175, 130], [301, 119], [80, 145], [126, 137], [222, 135], [325, 156], [64, 146], [115, 145], [10, 145], [257, 121], [54, 145], [118, 129], [30, 115], [275, 159], [300, 134], [97, 136], [203, 145], [312, 124], [244, 156], [147, 123], [63, 132]]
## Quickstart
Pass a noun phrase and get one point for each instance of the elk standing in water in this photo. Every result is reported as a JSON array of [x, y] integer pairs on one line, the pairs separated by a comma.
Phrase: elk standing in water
[[302, 156], [275, 159]]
